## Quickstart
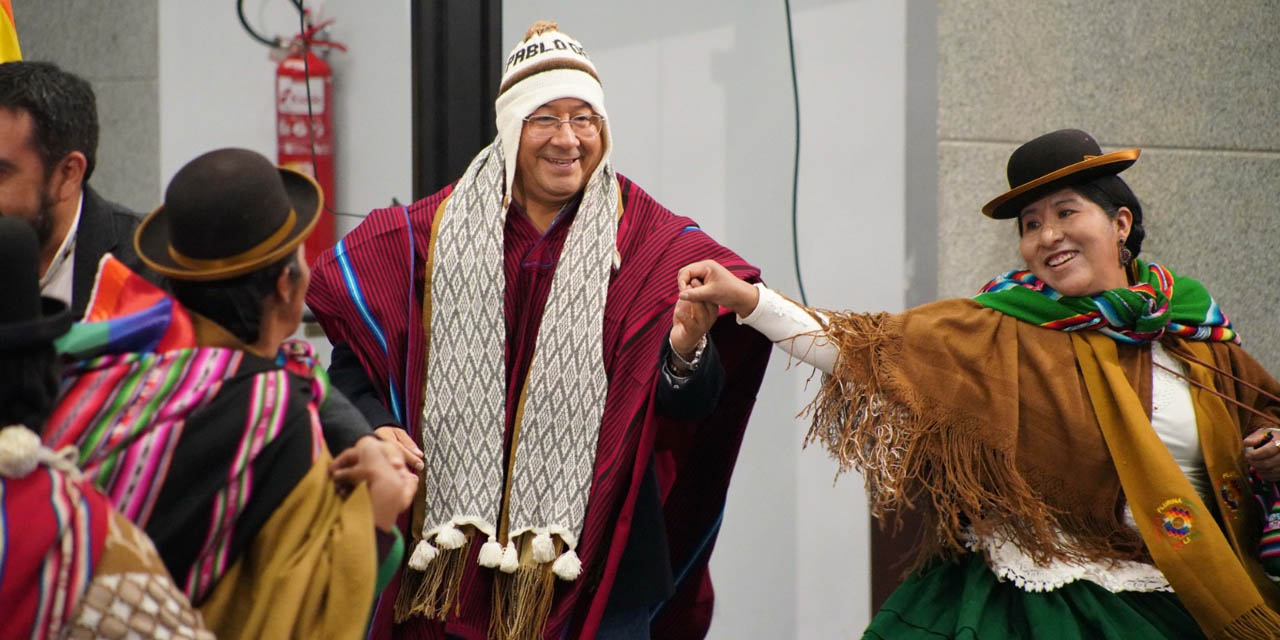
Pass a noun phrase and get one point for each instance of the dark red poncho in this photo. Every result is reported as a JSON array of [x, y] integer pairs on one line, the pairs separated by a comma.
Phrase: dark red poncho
[[367, 293]]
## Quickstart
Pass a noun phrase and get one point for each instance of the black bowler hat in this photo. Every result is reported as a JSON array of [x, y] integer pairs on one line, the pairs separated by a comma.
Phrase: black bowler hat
[[227, 213], [1055, 160], [27, 319]]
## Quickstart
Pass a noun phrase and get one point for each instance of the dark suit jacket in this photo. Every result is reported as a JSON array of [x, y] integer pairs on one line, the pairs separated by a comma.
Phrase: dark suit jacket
[[104, 227]]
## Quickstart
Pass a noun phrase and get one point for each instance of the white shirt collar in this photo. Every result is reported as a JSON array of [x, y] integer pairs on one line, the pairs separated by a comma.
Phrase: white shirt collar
[[57, 280]]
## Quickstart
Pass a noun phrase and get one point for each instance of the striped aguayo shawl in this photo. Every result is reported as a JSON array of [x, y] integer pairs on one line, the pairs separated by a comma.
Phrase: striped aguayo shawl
[[71, 567], [199, 435], [52, 534], [377, 310], [1159, 303]]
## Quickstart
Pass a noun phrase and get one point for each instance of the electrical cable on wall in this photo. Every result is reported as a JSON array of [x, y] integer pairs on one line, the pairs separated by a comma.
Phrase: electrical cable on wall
[[795, 168], [244, 22]]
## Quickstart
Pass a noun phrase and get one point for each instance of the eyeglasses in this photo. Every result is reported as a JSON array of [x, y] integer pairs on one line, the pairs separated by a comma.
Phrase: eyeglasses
[[584, 126]]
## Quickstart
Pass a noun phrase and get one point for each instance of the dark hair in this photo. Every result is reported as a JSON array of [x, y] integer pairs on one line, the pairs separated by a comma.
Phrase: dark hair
[[1110, 193], [28, 386], [235, 304], [62, 106]]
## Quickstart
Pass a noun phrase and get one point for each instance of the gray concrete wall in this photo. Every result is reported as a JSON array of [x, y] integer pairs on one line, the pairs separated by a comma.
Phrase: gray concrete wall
[[113, 46], [1196, 85]]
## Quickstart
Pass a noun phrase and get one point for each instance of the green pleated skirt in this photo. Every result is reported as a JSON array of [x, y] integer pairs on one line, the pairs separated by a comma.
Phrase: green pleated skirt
[[965, 600]]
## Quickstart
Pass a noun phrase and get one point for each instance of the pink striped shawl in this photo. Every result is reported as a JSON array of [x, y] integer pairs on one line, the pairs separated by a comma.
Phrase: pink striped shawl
[[131, 416]]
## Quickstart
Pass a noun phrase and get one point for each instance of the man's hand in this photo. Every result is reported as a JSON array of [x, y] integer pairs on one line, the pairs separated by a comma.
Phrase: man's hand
[[380, 464], [709, 282], [396, 435], [1262, 452], [690, 321]]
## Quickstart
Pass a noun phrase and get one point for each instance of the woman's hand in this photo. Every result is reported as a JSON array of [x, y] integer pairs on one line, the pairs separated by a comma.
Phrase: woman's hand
[[380, 464], [709, 282], [1262, 452]]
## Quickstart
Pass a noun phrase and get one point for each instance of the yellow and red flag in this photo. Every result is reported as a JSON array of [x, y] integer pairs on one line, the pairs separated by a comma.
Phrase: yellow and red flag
[[9, 49]]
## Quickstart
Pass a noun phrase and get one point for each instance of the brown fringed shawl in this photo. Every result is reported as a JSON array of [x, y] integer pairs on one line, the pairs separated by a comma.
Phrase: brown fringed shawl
[[963, 412], [983, 423]]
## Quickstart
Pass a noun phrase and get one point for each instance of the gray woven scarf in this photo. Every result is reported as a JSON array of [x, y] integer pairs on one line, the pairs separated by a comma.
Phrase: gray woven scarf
[[464, 409]]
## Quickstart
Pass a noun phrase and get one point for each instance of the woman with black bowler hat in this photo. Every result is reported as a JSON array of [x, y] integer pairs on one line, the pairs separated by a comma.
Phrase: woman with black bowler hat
[[70, 565], [205, 426], [1078, 437]]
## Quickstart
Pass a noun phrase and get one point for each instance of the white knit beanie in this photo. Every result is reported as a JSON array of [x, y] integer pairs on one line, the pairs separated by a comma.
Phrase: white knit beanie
[[548, 65]]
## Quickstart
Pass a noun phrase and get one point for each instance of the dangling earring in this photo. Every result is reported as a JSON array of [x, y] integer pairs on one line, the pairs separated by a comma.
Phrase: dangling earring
[[1125, 254]]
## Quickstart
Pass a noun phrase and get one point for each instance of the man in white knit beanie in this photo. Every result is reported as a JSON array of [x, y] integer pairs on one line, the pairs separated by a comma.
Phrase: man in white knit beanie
[[519, 333]]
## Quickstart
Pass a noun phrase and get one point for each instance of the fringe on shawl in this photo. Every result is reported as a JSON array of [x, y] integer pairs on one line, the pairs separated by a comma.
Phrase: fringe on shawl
[[522, 600], [1258, 623], [870, 418], [434, 593]]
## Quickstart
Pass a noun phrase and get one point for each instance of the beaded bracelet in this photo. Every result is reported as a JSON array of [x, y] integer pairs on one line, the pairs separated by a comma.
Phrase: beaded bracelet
[[689, 366]]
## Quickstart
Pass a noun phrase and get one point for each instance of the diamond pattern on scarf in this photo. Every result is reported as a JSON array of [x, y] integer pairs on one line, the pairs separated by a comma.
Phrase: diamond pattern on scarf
[[567, 384], [463, 422], [565, 393]]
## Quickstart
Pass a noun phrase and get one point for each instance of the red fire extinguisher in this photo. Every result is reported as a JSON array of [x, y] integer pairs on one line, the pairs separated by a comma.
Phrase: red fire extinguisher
[[304, 124]]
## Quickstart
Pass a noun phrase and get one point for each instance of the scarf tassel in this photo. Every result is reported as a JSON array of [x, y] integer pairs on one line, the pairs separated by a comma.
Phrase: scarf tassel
[[544, 550], [522, 599], [567, 566], [433, 591], [510, 560], [491, 554], [423, 554], [450, 537]]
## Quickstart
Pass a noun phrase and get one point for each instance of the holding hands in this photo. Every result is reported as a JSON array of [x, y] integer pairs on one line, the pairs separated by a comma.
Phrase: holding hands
[[382, 465], [690, 322], [709, 283], [406, 445]]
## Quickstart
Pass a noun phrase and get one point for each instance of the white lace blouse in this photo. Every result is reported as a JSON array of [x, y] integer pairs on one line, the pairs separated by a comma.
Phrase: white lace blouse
[[798, 333]]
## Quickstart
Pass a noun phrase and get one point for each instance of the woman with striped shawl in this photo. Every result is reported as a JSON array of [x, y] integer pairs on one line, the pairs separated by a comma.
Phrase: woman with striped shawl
[[208, 431], [70, 565], [1078, 437]]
